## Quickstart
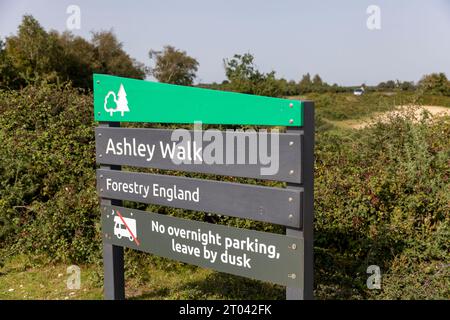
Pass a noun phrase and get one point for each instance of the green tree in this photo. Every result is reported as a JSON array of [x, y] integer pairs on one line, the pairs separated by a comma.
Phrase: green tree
[[243, 76], [334, 88], [381, 86], [80, 60], [112, 59], [390, 84], [317, 81], [305, 84], [435, 83], [289, 88], [173, 66], [318, 85], [242, 73], [407, 86], [241, 67], [34, 53], [8, 74]]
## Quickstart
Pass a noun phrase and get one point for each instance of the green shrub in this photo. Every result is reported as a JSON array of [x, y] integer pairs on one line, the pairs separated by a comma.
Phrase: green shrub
[[343, 106], [381, 195], [47, 161], [48, 201], [383, 198]]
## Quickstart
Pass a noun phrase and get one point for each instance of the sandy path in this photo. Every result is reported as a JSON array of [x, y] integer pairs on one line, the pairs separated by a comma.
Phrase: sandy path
[[384, 117]]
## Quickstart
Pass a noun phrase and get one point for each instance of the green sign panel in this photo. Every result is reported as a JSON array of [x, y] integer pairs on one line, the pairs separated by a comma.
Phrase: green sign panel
[[254, 254], [129, 100]]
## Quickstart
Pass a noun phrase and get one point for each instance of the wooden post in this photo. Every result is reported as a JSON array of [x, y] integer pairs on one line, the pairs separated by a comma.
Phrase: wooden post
[[113, 262], [305, 231]]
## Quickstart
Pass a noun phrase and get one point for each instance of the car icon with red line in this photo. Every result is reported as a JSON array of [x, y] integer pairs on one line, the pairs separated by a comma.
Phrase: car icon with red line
[[121, 230]]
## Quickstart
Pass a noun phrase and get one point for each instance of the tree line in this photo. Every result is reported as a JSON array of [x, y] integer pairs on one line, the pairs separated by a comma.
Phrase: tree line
[[34, 55]]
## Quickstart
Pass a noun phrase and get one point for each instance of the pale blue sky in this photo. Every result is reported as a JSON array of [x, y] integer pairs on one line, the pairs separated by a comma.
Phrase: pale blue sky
[[328, 37]]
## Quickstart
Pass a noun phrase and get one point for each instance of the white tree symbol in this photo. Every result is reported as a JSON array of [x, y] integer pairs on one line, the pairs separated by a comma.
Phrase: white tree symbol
[[105, 105], [122, 102]]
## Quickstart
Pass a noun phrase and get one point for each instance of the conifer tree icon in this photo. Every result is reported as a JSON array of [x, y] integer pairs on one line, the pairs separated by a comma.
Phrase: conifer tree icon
[[120, 101]]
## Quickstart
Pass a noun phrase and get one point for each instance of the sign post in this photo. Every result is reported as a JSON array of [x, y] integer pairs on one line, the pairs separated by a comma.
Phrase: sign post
[[113, 260], [306, 232], [284, 157]]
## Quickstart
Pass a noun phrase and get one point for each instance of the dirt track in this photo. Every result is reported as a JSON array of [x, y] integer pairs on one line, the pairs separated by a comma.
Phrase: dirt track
[[362, 123]]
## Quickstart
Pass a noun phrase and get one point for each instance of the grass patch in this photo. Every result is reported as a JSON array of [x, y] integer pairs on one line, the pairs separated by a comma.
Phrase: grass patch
[[22, 279]]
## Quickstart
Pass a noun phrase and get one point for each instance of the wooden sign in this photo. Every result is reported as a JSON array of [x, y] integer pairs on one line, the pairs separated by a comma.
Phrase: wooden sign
[[284, 157]]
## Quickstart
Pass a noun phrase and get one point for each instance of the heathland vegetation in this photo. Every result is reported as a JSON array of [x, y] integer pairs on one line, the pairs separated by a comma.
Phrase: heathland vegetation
[[382, 193]]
